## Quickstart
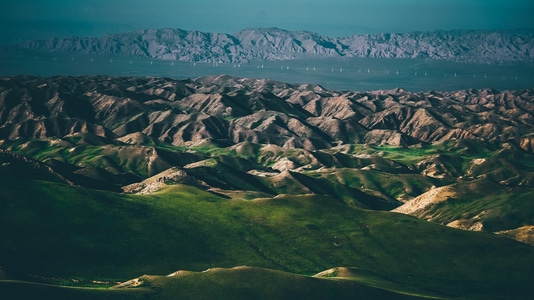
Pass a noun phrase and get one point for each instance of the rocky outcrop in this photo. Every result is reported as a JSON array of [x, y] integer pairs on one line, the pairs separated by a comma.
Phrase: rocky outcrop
[[524, 234], [277, 44], [425, 200], [172, 175]]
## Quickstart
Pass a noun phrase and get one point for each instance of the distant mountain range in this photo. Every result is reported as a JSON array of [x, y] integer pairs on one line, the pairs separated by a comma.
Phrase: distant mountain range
[[488, 47]]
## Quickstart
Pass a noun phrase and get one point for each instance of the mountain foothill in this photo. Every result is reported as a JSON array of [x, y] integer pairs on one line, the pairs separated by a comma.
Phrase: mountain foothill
[[138, 134]]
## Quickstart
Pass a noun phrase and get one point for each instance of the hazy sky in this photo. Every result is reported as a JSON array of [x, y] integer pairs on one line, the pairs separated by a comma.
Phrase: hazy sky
[[20, 19]]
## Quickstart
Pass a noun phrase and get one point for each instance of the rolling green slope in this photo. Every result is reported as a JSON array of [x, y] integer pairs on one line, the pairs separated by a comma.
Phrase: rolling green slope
[[218, 283], [52, 230]]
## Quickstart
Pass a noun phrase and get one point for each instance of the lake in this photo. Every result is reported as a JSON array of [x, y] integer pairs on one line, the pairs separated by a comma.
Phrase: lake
[[356, 74]]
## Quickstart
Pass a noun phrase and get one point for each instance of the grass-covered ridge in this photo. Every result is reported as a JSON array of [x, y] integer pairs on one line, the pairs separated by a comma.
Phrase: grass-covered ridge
[[222, 283], [54, 230]]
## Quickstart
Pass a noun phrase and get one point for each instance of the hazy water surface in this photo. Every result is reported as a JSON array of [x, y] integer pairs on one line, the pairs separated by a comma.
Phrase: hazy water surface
[[361, 74]]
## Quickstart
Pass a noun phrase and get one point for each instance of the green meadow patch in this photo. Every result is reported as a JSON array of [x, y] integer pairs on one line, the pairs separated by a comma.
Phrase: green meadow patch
[[53, 230]]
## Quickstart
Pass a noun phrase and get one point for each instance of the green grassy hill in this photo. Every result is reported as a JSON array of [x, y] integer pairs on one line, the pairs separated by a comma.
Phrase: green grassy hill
[[218, 283], [52, 232]]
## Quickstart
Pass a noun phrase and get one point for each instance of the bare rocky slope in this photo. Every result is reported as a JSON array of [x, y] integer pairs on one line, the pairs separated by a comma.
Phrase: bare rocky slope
[[277, 44], [230, 110]]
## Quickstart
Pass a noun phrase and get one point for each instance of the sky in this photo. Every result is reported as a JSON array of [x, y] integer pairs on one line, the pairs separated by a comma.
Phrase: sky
[[27, 19]]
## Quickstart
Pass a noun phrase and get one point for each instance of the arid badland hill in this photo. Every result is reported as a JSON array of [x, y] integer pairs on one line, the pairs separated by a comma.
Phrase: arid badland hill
[[232, 110]]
